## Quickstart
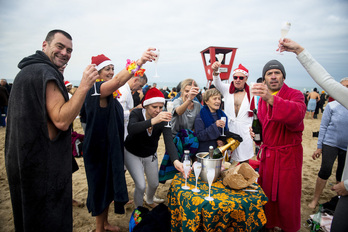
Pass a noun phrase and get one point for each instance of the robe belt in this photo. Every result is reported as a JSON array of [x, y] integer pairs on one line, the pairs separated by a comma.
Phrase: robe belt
[[276, 167]]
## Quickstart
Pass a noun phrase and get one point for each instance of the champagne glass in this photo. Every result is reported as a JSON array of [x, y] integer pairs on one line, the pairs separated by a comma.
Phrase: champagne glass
[[170, 106], [220, 57], [197, 167], [283, 32], [187, 167], [223, 129], [95, 90], [157, 52], [210, 178]]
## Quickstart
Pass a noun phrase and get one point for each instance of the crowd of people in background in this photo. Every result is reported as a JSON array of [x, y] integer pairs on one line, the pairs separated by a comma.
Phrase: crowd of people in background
[[123, 118]]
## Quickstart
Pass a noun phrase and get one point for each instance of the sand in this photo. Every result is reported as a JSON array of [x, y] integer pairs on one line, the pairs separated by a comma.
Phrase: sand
[[83, 221]]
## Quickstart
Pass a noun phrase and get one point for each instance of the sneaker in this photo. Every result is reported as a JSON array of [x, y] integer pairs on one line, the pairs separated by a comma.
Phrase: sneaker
[[158, 200], [155, 199]]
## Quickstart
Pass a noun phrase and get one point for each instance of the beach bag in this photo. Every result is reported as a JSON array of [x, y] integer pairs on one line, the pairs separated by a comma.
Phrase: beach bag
[[138, 214], [157, 220]]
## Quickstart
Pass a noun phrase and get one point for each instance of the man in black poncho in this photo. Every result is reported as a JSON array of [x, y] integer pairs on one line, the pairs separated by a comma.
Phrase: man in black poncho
[[38, 137]]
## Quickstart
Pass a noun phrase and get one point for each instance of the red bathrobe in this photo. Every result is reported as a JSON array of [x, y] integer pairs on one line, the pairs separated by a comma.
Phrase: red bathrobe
[[281, 156]]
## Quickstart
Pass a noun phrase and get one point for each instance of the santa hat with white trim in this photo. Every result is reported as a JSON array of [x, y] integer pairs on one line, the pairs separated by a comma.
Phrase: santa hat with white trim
[[101, 61], [153, 95], [241, 69]]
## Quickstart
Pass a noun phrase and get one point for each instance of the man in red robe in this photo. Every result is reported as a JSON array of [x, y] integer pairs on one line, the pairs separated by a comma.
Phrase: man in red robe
[[281, 111]]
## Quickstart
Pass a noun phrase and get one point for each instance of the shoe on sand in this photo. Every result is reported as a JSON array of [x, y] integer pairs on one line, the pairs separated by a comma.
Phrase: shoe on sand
[[155, 199]]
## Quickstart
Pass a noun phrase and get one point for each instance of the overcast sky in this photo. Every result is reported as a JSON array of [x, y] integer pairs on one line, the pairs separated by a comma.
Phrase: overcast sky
[[181, 29]]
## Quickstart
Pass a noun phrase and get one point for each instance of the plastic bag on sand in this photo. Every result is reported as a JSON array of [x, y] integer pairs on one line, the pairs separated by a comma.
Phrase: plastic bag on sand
[[239, 177]]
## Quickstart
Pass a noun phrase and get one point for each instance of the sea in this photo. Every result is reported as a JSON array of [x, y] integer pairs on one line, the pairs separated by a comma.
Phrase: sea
[[201, 84]]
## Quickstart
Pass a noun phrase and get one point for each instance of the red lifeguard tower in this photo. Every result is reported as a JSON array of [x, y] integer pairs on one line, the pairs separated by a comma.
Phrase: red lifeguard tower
[[226, 65]]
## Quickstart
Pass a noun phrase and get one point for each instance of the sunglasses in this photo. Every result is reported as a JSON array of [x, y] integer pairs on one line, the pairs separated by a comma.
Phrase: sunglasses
[[236, 77]]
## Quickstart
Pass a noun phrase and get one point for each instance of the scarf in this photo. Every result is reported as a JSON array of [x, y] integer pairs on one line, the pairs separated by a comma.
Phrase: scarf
[[208, 119]]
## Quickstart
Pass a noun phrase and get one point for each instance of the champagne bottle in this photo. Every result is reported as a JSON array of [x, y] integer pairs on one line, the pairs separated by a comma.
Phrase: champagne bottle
[[257, 129], [211, 152], [218, 152]]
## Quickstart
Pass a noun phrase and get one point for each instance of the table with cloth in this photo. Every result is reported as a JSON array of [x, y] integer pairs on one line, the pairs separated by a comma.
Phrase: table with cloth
[[231, 210]]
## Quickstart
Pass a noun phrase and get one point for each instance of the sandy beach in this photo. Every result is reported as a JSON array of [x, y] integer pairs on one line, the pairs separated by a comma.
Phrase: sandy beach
[[83, 221]]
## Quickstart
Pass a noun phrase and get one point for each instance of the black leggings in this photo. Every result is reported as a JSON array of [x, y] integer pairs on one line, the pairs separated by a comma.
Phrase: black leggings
[[329, 155], [340, 222]]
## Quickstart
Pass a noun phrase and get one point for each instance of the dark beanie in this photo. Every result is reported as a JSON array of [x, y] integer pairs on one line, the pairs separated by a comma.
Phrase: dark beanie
[[273, 64]]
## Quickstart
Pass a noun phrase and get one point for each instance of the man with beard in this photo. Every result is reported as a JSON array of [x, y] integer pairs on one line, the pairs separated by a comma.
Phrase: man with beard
[[281, 111], [38, 137]]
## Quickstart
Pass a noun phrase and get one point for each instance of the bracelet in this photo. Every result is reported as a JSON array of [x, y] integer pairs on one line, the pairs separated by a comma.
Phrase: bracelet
[[134, 69]]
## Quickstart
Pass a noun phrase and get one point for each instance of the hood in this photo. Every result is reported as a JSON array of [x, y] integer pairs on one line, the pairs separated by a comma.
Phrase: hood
[[38, 57]]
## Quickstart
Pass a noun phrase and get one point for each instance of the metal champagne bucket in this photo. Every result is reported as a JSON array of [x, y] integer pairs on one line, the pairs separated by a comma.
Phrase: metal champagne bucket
[[209, 163]]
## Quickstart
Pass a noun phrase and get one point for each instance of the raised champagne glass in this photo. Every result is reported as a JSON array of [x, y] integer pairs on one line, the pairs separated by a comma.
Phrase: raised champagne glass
[[197, 167], [220, 57], [157, 52], [283, 32], [210, 178]]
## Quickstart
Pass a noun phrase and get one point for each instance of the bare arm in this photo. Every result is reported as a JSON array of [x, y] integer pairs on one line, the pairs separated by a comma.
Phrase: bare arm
[[62, 113], [122, 77]]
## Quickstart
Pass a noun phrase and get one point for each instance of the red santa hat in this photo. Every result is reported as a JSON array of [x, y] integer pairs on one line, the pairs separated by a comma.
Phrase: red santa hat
[[67, 83], [241, 69], [101, 61], [153, 95]]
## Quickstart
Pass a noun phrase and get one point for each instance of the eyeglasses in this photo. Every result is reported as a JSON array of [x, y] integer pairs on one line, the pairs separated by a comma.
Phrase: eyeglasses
[[236, 77]]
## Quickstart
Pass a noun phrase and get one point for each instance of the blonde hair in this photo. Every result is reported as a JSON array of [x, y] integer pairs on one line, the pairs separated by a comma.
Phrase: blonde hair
[[187, 82], [209, 93]]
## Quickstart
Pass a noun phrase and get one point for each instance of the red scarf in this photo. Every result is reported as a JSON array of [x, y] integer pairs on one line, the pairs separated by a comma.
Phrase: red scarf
[[252, 102]]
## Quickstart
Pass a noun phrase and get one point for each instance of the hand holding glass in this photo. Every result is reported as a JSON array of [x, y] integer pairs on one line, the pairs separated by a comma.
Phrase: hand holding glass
[[197, 167], [210, 178], [170, 106]]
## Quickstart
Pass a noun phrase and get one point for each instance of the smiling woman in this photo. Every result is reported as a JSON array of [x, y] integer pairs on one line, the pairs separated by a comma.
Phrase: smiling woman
[[208, 123]]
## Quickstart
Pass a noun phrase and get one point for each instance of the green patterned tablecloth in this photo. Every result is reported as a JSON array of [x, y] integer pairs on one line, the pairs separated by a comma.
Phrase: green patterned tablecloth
[[231, 210]]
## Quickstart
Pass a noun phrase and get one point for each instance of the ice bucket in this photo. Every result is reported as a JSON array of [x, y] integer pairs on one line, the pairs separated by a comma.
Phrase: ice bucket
[[209, 163]]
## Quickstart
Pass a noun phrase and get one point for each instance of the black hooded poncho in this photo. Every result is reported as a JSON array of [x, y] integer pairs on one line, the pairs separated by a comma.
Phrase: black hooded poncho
[[39, 170], [103, 151]]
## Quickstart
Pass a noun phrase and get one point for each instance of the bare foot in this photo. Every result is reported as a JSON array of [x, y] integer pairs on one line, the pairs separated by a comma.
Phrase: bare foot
[[312, 205], [129, 202], [78, 204], [108, 227]]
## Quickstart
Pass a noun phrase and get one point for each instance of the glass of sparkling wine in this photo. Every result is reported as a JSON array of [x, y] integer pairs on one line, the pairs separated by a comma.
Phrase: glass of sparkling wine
[[197, 167], [223, 129], [157, 52], [170, 106], [283, 32], [187, 167], [210, 178], [220, 57], [95, 90]]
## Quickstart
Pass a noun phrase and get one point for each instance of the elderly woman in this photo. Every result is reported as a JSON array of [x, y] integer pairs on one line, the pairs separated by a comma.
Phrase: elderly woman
[[103, 142], [185, 108], [208, 123], [144, 130]]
